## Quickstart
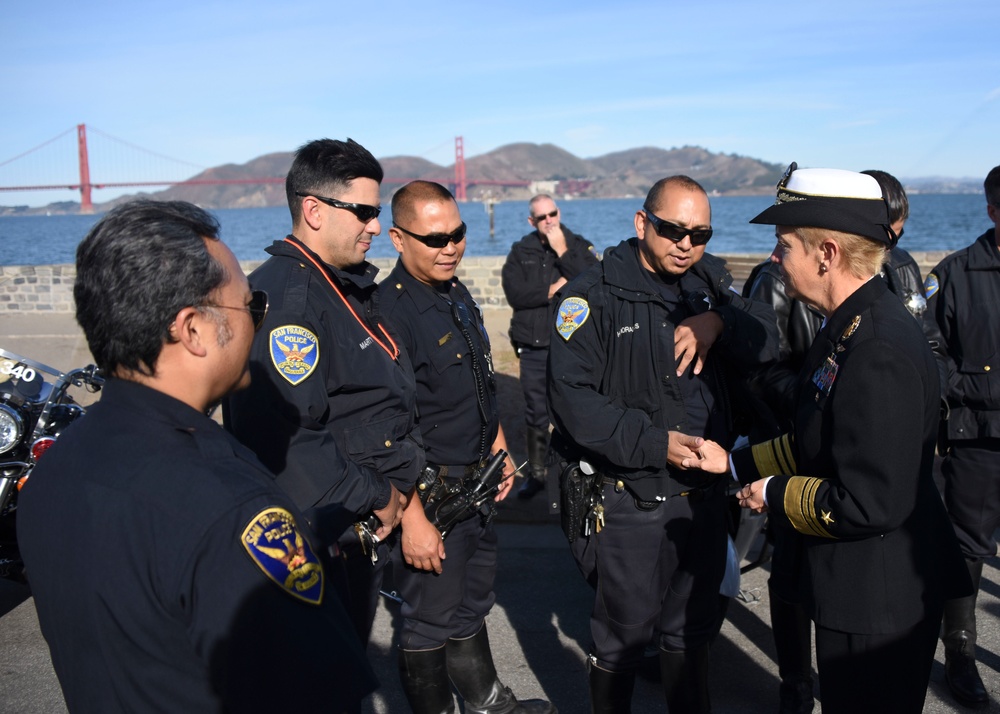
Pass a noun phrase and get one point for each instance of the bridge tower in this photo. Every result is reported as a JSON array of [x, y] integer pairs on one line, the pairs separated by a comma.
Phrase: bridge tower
[[86, 205], [460, 170]]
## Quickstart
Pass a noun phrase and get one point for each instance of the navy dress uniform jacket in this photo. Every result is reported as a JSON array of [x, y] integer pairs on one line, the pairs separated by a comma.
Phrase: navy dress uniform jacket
[[613, 389], [335, 420], [854, 477], [170, 574]]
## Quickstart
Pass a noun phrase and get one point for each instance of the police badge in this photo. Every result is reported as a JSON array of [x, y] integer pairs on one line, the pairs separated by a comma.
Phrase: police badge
[[294, 352], [573, 312], [277, 547]]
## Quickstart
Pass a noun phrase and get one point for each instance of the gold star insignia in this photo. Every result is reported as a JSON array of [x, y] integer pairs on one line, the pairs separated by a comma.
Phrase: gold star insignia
[[827, 517]]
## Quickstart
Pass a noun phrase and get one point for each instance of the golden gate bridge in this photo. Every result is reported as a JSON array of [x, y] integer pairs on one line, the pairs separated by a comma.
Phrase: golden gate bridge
[[86, 185]]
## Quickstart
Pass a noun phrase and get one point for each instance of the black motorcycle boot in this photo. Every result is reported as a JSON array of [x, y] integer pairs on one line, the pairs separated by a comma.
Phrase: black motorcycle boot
[[792, 631], [470, 666], [685, 680], [424, 675], [538, 447], [959, 638], [610, 692]]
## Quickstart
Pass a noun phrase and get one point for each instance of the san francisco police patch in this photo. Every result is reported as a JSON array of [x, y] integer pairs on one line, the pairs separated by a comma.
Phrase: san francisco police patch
[[273, 541], [573, 312], [931, 285], [294, 352]]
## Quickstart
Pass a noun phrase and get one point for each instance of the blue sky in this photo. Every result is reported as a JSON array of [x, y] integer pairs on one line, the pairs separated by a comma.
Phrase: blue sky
[[912, 88]]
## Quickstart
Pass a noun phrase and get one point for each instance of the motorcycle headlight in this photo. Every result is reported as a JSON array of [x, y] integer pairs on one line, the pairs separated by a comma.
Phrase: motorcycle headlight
[[11, 428]]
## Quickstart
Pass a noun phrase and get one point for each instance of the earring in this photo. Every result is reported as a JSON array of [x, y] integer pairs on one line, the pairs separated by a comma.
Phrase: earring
[[822, 267]]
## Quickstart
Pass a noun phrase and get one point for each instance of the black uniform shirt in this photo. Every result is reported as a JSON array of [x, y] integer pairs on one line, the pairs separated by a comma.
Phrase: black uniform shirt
[[170, 574], [329, 409], [450, 420]]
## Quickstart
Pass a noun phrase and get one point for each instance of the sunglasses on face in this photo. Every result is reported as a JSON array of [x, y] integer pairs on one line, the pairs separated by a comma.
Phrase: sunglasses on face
[[257, 307], [676, 233], [363, 212], [437, 240], [539, 219]]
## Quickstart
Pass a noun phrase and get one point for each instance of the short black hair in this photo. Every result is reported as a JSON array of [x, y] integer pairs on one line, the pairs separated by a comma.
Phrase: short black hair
[[404, 199], [326, 167], [656, 192], [136, 269], [893, 193], [992, 186]]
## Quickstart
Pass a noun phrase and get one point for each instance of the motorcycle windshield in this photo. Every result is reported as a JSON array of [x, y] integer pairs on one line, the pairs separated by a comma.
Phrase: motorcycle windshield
[[25, 378]]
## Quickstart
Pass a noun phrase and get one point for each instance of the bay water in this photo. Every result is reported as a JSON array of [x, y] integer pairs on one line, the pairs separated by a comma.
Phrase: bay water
[[938, 222]]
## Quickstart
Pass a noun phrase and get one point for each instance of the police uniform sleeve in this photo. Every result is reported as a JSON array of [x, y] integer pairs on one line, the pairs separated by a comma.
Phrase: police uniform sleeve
[[523, 284], [284, 419], [875, 428], [749, 336], [264, 616], [578, 356], [940, 322]]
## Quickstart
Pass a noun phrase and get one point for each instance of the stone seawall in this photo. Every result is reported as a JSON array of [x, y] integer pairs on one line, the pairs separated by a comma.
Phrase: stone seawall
[[49, 288]]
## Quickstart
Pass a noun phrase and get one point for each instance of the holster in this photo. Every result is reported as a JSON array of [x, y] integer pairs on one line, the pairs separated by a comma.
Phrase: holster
[[448, 504], [579, 493]]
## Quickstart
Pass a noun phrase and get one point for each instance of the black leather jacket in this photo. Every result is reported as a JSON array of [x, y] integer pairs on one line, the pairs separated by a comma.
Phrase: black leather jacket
[[528, 273], [963, 300]]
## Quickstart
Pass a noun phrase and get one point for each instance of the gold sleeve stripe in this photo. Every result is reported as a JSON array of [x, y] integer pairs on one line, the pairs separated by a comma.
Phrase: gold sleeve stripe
[[800, 505], [774, 457]]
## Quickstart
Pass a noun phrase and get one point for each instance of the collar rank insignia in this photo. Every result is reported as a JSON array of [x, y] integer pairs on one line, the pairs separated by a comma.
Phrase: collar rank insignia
[[573, 312], [827, 517], [278, 548], [294, 352]]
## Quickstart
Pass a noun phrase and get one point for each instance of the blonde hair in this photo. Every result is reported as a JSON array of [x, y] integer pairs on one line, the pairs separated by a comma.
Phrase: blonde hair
[[862, 256]]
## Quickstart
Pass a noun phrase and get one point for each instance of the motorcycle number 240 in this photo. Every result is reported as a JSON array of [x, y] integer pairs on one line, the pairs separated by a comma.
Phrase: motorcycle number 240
[[18, 371]]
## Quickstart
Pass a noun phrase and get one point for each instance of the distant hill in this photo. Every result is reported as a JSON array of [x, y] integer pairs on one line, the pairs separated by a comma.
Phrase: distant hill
[[539, 167]]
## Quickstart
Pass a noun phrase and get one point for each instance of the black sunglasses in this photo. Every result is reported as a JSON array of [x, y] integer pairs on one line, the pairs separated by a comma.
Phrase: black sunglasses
[[545, 215], [257, 307], [676, 233], [437, 240], [363, 212]]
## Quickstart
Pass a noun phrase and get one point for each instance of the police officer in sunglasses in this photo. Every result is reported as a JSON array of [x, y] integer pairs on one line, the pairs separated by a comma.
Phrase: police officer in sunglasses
[[645, 347], [330, 408]]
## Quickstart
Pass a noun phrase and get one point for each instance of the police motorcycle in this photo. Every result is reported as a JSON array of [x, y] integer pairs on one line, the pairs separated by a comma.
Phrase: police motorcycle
[[35, 407]]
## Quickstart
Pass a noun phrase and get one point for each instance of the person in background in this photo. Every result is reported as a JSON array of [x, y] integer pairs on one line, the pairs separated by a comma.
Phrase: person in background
[[854, 475], [169, 573], [331, 408], [537, 266], [774, 387], [963, 302], [644, 345], [445, 600]]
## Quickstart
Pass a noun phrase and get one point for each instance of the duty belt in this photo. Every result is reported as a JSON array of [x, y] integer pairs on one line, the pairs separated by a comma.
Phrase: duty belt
[[459, 471]]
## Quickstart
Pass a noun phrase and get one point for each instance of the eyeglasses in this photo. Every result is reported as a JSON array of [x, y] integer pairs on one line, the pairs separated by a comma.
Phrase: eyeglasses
[[257, 307], [363, 212], [676, 233], [538, 219], [437, 240]]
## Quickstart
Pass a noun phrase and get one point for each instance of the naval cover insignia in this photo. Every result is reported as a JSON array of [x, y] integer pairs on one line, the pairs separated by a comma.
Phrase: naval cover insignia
[[278, 548], [573, 312], [294, 352]]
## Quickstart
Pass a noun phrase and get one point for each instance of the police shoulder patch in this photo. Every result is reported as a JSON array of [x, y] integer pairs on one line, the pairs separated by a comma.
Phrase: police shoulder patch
[[931, 285], [294, 352], [278, 548], [573, 312]]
